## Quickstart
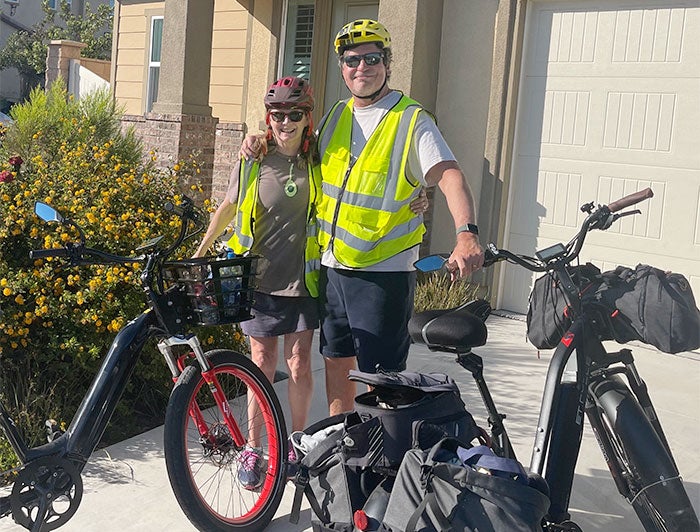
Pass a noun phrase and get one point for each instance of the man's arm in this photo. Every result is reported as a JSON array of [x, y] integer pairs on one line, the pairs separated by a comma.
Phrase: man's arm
[[253, 147], [468, 255]]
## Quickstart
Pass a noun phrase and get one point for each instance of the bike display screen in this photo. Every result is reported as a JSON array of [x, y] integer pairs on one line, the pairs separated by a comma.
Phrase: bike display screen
[[552, 252]]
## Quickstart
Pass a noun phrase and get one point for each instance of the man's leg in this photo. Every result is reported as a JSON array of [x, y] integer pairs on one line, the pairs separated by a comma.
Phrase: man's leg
[[337, 345], [340, 391]]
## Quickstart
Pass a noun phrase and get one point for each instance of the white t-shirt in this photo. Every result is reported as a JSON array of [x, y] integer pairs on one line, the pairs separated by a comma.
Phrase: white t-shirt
[[427, 149]]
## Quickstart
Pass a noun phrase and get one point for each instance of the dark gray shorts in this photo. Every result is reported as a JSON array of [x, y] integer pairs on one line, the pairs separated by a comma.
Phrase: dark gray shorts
[[278, 315]]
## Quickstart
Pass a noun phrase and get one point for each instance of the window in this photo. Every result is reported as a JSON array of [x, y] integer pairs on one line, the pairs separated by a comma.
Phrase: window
[[154, 61], [55, 4], [297, 41]]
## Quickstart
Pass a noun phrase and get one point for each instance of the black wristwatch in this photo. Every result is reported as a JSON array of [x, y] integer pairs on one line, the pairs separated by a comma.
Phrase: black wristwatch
[[467, 228]]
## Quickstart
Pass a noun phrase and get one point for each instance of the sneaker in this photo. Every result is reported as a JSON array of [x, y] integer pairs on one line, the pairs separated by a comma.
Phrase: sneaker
[[250, 468], [292, 463]]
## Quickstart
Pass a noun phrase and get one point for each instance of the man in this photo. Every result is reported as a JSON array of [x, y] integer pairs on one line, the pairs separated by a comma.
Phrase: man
[[377, 150]]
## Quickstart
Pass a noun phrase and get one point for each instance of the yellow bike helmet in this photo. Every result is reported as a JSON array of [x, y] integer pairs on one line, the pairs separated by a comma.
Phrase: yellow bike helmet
[[360, 32]]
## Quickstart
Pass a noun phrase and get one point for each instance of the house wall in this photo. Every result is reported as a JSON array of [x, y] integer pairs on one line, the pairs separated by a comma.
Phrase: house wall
[[229, 40], [130, 53]]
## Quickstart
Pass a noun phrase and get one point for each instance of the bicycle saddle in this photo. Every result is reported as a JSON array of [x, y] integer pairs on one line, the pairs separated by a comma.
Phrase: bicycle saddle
[[454, 330]]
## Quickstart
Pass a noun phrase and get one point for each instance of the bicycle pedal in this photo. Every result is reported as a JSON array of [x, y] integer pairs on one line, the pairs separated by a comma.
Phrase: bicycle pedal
[[53, 430]]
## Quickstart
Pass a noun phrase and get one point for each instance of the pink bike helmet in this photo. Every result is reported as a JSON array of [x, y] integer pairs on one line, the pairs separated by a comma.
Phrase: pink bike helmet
[[290, 92]]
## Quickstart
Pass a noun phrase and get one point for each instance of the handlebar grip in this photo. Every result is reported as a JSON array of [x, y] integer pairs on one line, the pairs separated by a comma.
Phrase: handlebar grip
[[631, 200], [43, 253]]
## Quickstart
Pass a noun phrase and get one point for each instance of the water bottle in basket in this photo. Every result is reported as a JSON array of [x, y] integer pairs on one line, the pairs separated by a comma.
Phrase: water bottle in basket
[[231, 284]]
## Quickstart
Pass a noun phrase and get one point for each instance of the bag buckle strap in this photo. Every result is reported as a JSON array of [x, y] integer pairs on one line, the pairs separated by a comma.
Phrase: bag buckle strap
[[300, 482]]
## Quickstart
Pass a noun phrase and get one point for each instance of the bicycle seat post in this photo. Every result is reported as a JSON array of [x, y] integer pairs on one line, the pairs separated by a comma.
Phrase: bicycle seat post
[[475, 365]]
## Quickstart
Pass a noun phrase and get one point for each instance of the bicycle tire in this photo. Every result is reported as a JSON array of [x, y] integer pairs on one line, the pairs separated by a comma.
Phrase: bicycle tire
[[644, 461], [205, 479]]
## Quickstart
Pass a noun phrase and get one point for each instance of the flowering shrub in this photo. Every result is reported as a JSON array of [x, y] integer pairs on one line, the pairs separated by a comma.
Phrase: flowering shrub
[[56, 322]]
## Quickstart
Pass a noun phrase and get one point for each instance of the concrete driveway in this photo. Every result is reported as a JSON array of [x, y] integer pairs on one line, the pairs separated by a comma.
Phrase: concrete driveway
[[126, 486]]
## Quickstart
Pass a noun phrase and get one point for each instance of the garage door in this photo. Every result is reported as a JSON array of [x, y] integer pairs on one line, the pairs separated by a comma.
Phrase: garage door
[[609, 103]]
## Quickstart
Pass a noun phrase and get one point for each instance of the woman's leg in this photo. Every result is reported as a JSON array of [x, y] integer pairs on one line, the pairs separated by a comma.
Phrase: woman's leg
[[297, 353], [263, 352]]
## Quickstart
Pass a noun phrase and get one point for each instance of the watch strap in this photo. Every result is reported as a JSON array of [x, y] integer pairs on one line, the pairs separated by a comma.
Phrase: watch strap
[[467, 228]]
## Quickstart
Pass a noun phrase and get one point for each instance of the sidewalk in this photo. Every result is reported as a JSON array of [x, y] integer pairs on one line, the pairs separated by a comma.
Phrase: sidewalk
[[126, 487]]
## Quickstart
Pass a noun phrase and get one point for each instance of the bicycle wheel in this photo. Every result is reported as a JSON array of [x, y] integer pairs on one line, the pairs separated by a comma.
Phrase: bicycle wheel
[[202, 457], [656, 490]]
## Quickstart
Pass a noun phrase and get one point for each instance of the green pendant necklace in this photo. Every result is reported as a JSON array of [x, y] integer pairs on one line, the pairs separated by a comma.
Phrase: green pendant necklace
[[290, 187]]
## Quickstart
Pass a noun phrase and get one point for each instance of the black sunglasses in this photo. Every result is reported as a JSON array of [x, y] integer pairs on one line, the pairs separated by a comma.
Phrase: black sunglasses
[[370, 59], [294, 116]]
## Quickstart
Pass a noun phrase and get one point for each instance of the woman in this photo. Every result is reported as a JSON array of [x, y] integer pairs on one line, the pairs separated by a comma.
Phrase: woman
[[273, 202]]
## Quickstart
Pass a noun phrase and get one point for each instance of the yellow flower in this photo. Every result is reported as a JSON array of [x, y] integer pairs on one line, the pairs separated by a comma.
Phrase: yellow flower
[[7, 291], [19, 299]]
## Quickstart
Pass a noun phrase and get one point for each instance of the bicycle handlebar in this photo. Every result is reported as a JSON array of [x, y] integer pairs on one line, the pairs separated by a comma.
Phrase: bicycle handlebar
[[601, 218], [631, 199], [79, 254], [43, 253]]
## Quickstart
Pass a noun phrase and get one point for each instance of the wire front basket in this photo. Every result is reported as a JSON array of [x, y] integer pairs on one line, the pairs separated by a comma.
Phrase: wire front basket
[[219, 291]]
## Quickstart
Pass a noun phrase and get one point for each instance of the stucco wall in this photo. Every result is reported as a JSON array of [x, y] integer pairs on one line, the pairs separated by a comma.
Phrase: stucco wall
[[131, 44], [229, 38], [464, 85], [228, 57]]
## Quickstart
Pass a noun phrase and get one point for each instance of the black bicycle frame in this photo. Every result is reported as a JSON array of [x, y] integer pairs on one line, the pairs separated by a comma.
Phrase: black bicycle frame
[[98, 405], [560, 425]]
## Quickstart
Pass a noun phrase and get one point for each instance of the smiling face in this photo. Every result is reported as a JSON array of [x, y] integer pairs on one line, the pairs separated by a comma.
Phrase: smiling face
[[364, 80], [288, 133]]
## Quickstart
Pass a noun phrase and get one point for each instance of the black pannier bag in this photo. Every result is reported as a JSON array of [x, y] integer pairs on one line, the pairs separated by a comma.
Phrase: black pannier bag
[[548, 317], [644, 303], [659, 306], [333, 488], [453, 488], [416, 410], [357, 450]]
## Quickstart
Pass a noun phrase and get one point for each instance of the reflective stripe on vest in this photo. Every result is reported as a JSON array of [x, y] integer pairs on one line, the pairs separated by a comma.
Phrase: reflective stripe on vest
[[244, 228], [364, 215]]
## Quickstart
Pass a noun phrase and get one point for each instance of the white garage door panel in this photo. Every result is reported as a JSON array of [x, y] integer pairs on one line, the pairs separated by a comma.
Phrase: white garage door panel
[[645, 121], [609, 104]]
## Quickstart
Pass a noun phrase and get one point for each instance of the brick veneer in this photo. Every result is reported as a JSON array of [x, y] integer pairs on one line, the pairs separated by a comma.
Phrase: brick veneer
[[175, 137]]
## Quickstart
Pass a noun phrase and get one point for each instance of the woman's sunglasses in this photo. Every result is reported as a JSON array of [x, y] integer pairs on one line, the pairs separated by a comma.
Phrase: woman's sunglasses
[[294, 116], [370, 59]]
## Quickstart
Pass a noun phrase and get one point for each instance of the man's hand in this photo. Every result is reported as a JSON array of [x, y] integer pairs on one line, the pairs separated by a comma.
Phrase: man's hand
[[253, 147], [467, 256]]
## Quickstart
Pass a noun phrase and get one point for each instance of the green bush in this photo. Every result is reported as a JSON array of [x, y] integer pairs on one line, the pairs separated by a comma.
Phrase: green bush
[[56, 322], [435, 290]]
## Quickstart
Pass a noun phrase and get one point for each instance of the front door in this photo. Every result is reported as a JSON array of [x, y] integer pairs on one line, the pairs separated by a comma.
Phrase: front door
[[344, 11]]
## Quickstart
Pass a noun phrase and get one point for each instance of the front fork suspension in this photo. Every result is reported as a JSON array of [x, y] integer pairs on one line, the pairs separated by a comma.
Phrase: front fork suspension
[[177, 366]]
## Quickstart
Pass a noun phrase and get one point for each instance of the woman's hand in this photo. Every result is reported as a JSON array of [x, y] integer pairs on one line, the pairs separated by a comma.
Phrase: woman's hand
[[253, 147], [421, 203]]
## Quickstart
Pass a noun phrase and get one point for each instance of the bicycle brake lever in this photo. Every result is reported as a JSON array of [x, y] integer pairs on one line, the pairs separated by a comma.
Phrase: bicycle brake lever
[[627, 213]]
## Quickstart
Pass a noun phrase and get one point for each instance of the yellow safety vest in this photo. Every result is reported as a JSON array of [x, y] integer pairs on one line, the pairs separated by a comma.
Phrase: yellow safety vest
[[244, 224], [364, 215]]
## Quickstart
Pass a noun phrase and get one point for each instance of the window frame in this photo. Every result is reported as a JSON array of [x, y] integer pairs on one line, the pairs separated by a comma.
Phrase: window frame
[[287, 59], [152, 97]]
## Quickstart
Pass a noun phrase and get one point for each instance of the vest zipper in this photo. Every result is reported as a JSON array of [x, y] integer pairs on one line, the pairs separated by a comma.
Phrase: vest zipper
[[353, 160]]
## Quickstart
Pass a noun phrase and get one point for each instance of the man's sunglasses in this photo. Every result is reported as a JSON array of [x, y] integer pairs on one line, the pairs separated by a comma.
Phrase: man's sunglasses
[[370, 59], [294, 116]]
